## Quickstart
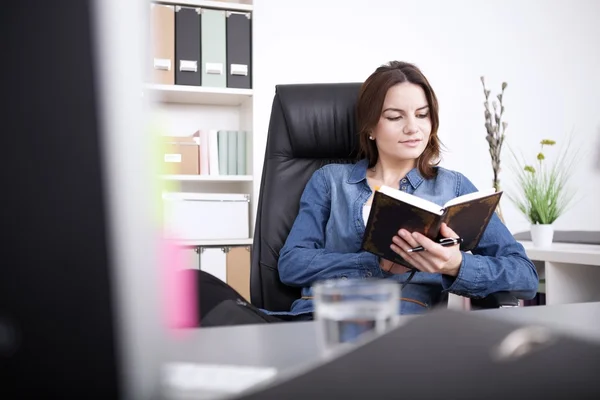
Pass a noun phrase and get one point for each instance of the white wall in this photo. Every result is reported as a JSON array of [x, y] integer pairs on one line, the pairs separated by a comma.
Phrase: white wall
[[547, 51]]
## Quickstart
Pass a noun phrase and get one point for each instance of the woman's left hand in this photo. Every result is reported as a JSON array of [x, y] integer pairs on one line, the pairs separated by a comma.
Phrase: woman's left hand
[[436, 258]]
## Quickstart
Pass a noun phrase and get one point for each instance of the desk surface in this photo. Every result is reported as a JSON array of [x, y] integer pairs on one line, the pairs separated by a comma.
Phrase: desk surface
[[278, 345], [581, 320], [295, 346], [285, 345], [570, 253]]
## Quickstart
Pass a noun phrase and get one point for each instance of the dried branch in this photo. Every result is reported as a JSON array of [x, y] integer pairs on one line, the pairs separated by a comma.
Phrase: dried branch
[[495, 128]]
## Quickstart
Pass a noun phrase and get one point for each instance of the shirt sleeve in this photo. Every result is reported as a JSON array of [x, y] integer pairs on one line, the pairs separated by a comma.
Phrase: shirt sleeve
[[499, 263], [303, 258]]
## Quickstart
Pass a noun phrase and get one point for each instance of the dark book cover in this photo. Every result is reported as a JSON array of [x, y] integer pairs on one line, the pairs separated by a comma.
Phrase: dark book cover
[[388, 215]]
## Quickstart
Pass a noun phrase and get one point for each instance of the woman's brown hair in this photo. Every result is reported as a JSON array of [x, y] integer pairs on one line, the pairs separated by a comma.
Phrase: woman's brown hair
[[370, 103]]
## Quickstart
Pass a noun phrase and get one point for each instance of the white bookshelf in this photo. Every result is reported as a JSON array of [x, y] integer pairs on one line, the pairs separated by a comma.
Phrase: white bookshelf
[[570, 271], [198, 95], [181, 110], [241, 5], [214, 243], [208, 178]]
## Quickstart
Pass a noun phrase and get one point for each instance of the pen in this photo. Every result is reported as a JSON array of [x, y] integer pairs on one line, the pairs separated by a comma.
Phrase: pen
[[446, 242]]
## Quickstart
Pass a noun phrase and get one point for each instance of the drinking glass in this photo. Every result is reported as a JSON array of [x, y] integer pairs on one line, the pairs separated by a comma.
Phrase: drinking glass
[[350, 310]]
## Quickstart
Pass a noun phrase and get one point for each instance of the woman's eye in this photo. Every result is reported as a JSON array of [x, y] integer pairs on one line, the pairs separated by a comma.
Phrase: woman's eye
[[422, 116], [394, 118]]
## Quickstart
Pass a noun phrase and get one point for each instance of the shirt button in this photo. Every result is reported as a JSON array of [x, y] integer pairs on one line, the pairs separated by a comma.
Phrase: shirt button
[[403, 187], [369, 274], [403, 180], [344, 277]]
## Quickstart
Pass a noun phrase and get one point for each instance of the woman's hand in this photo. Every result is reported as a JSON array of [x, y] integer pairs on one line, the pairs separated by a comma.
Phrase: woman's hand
[[435, 258]]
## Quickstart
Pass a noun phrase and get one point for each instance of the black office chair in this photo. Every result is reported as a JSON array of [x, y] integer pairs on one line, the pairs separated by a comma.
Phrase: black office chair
[[311, 125]]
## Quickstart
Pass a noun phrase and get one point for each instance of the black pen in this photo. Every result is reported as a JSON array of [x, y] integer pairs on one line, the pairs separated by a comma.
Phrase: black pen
[[446, 242]]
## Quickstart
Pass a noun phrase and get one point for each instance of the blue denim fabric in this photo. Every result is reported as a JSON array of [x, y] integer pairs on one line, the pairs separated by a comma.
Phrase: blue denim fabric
[[325, 240]]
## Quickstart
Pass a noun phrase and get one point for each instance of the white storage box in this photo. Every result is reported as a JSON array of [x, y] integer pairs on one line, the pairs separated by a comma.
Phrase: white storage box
[[207, 216]]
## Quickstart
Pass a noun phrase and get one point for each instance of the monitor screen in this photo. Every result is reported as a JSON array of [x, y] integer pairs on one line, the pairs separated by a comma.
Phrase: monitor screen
[[80, 302]]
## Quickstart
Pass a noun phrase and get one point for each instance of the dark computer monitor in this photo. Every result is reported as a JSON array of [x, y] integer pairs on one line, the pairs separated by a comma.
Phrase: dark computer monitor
[[79, 289]]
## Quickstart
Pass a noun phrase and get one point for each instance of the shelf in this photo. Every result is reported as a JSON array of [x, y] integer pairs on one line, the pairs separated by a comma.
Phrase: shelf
[[198, 94], [207, 243], [208, 178], [567, 253], [220, 5], [542, 286]]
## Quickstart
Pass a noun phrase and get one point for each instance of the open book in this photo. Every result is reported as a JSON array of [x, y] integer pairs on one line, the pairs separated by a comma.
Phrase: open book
[[392, 210]]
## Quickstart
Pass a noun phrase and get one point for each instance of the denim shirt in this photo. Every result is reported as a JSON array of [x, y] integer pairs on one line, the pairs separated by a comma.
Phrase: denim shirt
[[325, 242]]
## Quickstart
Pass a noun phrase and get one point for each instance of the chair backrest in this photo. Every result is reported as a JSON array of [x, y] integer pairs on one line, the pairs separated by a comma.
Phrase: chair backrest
[[311, 125]]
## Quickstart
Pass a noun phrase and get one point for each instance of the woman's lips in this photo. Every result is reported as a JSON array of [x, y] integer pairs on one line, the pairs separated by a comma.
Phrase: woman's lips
[[411, 143]]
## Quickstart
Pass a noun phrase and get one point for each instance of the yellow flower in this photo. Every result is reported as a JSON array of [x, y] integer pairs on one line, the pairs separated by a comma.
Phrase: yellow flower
[[547, 142], [529, 168], [540, 156]]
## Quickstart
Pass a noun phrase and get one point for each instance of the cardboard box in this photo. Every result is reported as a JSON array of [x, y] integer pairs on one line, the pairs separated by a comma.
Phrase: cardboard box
[[180, 155]]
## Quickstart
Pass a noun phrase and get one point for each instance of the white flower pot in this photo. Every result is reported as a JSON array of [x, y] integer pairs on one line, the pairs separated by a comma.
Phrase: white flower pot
[[542, 235]]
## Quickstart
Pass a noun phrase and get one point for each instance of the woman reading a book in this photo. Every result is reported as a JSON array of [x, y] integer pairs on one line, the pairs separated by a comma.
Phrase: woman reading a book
[[397, 117]]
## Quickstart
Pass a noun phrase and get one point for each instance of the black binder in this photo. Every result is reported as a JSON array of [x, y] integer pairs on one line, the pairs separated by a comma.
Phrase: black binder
[[187, 46], [239, 63], [451, 355]]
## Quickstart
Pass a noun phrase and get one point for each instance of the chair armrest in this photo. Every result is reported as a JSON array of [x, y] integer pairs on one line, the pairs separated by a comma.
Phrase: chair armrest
[[495, 300]]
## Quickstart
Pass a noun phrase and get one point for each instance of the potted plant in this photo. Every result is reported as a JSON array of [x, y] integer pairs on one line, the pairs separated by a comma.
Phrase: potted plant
[[542, 194]]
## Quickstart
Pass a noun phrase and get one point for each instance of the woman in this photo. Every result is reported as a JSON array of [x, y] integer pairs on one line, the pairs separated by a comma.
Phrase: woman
[[397, 117]]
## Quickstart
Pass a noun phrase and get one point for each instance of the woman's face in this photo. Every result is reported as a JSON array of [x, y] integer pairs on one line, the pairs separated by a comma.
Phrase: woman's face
[[404, 126]]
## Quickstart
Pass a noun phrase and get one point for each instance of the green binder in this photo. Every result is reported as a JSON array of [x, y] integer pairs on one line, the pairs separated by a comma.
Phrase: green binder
[[223, 152], [241, 153], [232, 153], [214, 47]]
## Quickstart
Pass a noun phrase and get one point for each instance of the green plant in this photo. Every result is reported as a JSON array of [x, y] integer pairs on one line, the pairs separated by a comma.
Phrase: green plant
[[542, 195]]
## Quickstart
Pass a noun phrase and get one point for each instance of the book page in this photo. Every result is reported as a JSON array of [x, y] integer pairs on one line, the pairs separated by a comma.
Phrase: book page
[[412, 200], [468, 197]]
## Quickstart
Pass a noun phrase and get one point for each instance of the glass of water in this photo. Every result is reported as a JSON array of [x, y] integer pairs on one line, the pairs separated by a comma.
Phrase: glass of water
[[349, 310]]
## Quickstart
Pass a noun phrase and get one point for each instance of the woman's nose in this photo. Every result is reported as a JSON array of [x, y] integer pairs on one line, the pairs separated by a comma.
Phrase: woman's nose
[[410, 127]]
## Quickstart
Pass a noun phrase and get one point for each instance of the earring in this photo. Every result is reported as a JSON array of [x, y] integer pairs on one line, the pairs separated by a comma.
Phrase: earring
[[371, 137]]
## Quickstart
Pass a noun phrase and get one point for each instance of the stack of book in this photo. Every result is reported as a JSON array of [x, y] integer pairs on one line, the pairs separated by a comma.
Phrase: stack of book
[[206, 152]]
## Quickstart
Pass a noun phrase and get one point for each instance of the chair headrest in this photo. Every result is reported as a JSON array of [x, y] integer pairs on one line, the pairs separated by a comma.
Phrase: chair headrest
[[320, 119]]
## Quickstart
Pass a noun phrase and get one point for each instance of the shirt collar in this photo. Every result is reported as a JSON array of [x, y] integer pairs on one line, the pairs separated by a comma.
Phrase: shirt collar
[[414, 177], [359, 174]]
